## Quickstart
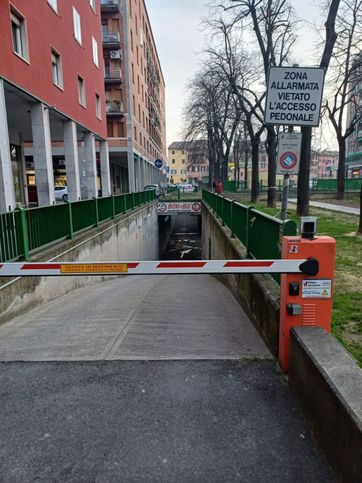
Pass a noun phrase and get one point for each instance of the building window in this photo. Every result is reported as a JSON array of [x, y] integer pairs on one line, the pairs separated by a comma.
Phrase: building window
[[57, 74], [18, 30], [173, 152], [98, 107], [183, 161], [54, 5], [76, 25], [173, 161], [93, 4], [95, 52], [173, 171], [81, 91]]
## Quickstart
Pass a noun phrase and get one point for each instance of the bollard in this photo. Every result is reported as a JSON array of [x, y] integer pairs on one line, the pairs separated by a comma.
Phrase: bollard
[[306, 301]]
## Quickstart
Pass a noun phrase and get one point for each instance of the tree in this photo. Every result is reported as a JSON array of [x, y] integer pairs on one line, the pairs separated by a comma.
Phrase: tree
[[359, 232], [273, 25], [211, 113], [346, 73], [304, 169]]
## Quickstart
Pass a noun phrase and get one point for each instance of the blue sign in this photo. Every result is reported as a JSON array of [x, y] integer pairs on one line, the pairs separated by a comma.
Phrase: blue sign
[[158, 163], [167, 169]]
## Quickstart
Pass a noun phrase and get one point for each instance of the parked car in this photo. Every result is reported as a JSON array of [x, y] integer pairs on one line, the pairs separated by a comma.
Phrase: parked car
[[151, 187], [186, 187], [61, 193]]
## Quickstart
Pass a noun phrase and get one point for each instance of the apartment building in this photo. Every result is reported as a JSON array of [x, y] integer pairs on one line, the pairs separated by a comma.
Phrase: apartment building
[[188, 162], [354, 141], [51, 97], [323, 164], [135, 96]]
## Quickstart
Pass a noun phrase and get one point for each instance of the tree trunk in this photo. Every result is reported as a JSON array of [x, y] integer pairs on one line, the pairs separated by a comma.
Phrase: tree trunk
[[360, 213], [255, 172], [304, 170], [272, 171], [341, 173]]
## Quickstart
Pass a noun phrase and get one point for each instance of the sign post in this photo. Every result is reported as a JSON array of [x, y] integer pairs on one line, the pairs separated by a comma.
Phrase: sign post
[[288, 162]]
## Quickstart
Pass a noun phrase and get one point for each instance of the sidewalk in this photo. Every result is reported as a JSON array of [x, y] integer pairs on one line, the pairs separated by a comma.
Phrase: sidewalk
[[331, 206]]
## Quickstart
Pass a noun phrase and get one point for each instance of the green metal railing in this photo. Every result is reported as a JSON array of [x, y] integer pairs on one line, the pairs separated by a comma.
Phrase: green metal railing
[[27, 229], [351, 184], [319, 184], [258, 232]]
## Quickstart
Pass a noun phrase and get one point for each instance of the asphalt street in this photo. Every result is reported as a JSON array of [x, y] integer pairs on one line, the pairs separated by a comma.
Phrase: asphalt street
[[153, 421]]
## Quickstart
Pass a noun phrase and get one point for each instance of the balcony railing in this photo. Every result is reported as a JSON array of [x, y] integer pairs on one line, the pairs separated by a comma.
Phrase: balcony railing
[[113, 77], [110, 5], [114, 107], [111, 38]]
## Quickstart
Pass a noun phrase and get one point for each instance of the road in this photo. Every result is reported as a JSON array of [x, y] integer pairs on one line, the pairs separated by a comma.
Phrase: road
[[145, 379], [331, 206]]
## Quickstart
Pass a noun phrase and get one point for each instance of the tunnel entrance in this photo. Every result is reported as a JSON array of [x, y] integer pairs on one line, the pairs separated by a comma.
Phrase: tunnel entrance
[[180, 237]]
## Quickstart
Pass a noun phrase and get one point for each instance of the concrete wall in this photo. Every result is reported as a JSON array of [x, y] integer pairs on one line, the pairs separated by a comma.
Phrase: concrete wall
[[257, 294], [134, 236], [328, 385]]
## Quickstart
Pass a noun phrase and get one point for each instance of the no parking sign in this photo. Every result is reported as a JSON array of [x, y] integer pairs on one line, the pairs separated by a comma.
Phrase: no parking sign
[[288, 153]]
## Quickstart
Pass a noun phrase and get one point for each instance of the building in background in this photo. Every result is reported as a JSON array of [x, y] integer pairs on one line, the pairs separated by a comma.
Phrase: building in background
[[354, 141], [135, 96], [51, 96], [188, 162], [323, 164]]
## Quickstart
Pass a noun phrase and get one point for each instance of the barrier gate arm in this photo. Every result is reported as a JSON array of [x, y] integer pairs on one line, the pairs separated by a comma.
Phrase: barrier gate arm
[[308, 266]]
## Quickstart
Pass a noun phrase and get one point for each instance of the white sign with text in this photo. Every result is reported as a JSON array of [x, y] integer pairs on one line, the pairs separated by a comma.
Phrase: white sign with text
[[288, 153], [294, 96]]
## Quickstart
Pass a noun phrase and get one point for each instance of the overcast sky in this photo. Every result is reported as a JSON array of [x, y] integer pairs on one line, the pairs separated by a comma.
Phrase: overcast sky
[[179, 38]]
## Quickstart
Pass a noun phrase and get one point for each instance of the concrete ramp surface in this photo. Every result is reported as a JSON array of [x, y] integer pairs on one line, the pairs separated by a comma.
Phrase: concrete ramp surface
[[140, 317], [147, 379]]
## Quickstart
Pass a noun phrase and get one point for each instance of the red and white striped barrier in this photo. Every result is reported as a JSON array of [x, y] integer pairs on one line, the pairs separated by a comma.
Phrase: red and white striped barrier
[[17, 269]]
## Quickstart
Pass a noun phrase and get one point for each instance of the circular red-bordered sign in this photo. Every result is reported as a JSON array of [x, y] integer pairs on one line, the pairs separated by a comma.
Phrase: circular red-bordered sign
[[288, 160], [162, 207], [195, 207]]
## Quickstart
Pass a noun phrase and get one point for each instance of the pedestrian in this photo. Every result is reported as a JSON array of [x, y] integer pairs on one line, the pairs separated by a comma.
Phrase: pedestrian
[[219, 187], [214, 185]]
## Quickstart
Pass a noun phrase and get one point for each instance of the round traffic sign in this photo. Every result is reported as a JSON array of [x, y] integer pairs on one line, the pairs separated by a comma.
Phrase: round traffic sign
[[288, 160], [158, 163]]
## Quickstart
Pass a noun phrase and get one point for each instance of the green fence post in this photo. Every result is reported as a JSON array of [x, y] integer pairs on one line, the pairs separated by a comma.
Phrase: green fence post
[[24, 232], [247, 230], [113, 207], [70, 220], [232, 218], [96, 211]]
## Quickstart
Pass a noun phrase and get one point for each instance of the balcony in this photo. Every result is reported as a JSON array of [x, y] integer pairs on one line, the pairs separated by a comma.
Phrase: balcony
[[114, 108], [113, 77], [110, 6], [111, 40]]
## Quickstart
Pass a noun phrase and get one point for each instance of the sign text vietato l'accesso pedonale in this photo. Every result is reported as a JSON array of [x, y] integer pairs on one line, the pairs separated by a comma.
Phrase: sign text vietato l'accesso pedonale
[[294, 96]]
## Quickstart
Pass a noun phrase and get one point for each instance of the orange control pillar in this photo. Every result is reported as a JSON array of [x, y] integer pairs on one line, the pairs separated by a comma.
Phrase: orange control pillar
[[306, 301]]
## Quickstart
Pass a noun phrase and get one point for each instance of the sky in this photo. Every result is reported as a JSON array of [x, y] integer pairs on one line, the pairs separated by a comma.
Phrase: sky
[[179, 38]]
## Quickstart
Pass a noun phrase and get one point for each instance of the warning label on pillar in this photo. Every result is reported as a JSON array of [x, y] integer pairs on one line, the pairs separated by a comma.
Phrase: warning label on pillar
[[317, 289]]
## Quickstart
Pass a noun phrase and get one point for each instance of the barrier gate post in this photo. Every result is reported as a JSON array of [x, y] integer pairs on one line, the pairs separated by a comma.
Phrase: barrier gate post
[[305, 301]]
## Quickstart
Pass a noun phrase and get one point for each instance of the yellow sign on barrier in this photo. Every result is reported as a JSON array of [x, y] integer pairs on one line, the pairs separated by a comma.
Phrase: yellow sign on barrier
[[93, 268]]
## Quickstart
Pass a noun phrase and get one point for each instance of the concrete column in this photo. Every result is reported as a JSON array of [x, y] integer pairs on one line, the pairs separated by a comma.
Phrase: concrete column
[[91, 166], [131, 172], [143, 179], [137, 173], [7, 197], [71, 156], [105, 168], [42, 152]]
